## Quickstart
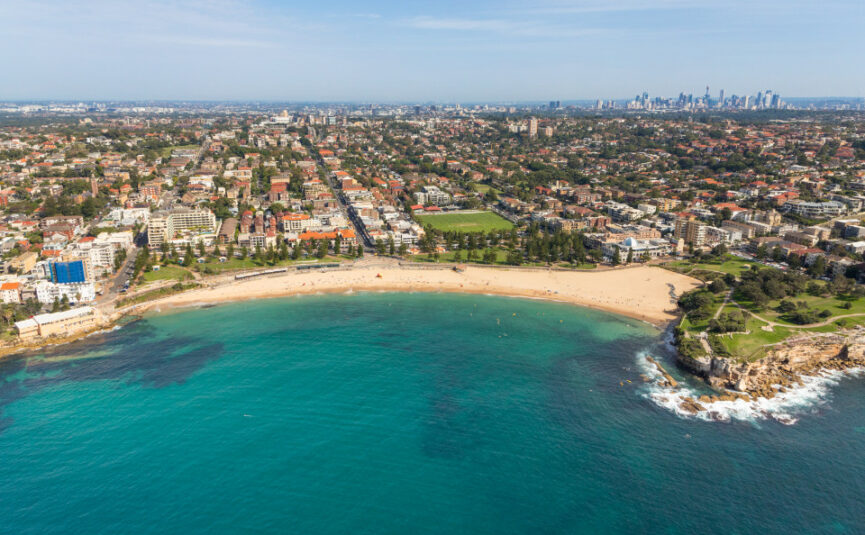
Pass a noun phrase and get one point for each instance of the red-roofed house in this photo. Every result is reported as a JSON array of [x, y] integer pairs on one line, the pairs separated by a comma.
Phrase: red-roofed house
[[10, 292]]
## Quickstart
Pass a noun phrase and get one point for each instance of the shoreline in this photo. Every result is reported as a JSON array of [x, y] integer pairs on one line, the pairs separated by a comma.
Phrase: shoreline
[[643, 293], [154, 306], [623, 292]]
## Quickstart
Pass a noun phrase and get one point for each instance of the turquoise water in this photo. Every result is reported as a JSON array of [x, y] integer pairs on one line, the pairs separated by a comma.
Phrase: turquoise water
[[396, 413]]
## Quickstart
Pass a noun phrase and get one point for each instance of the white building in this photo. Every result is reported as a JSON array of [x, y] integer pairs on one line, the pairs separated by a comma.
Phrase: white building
[[10, 292], [126, 217], [48, 292], [432, 195], [639, 249], [815, 210], [181, 226]]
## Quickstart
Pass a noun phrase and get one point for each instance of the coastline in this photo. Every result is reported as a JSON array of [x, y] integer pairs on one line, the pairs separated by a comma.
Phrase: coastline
[[644, 293]]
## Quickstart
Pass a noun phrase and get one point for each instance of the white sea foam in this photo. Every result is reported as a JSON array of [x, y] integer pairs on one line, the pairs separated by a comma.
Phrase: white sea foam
[[786, 407]]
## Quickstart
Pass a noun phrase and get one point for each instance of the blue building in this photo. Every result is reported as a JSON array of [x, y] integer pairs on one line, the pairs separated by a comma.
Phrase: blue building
[[68, 272]]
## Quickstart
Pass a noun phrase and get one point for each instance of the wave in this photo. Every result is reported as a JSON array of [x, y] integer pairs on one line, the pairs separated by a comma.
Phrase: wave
[[786, 407]]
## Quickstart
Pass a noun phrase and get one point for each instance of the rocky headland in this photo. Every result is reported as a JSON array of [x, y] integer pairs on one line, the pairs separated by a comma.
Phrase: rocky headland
[[783, 367]]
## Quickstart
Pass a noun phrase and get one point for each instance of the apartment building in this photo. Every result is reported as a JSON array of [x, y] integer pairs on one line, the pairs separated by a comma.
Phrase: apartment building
[[166, 226], [691, 231], [432, 195], [815, 210], [79, 292]]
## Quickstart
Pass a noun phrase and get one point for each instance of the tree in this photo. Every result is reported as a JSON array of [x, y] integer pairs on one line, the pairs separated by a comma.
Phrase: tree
[[201, 250], [379, 246], [403, 249], [391, 247], [617, 257], [761, 252], [786, 306], [630, 257], [818, 267], [514, 258], [718, 286], [188, 257], [322, 249], [794, 261], [696, 299], [814, 288], [778, 254], [360, 251], [119, 258]]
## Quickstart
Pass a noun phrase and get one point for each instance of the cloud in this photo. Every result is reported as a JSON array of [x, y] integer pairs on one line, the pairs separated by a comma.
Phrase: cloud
[[213, 23], [612, 6], [433, 23], [211, 42], [515, 28]]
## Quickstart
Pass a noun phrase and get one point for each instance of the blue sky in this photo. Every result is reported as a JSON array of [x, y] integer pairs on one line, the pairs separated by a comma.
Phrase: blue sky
[[428, 51]]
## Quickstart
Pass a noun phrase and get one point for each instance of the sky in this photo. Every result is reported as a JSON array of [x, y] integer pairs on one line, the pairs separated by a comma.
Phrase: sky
[[427, 51]]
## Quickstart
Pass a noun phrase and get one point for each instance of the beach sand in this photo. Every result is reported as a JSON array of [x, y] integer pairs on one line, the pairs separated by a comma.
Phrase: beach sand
[[642, 292]]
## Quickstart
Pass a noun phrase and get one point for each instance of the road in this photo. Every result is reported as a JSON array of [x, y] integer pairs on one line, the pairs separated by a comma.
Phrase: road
[[112, 287], [359, 228]]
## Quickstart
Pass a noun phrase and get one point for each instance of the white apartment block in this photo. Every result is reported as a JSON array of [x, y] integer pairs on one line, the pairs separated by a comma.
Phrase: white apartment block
[[165, 226], [48, 292]]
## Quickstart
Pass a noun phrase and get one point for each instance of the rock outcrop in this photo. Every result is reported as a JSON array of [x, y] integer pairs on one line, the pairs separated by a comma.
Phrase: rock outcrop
[[785, 363]]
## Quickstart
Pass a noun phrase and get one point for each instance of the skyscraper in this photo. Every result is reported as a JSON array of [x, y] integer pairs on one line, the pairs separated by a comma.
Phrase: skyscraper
[[776, 101], [533, 126]]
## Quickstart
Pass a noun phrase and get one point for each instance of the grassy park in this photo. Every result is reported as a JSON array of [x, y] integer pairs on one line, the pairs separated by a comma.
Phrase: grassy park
[[166, 152], [465, 222], [167, 273], [764, 306]]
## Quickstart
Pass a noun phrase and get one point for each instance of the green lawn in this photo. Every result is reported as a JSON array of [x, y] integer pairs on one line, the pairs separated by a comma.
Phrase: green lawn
[[501, 256], [752, 346], [731, 264], [235, 264], [476, 222], [832, 304], [699, 326], [156, 294], [483, 188], [166, 152], [749, 347], [501, 259], [166, 273]]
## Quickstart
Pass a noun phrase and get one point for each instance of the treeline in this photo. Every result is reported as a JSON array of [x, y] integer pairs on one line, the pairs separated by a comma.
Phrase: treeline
[[534, 247]]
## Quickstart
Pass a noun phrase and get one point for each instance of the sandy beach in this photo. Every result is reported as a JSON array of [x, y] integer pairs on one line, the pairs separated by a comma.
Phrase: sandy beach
[[642, 292]]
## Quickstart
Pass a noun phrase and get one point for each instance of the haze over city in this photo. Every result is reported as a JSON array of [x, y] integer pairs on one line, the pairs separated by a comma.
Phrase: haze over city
[[387, 51]]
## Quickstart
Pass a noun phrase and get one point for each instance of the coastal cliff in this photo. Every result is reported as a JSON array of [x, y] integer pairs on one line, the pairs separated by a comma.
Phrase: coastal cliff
[[784, 364]]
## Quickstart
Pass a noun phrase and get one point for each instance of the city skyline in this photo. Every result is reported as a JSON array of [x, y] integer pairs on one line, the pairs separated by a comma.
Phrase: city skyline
[[386, 52]]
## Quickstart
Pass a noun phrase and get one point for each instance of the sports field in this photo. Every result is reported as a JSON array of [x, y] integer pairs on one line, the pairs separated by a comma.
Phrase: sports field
[[465, 222]]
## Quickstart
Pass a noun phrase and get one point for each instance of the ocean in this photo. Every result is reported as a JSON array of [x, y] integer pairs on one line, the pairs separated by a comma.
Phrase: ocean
[[408, 413]]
